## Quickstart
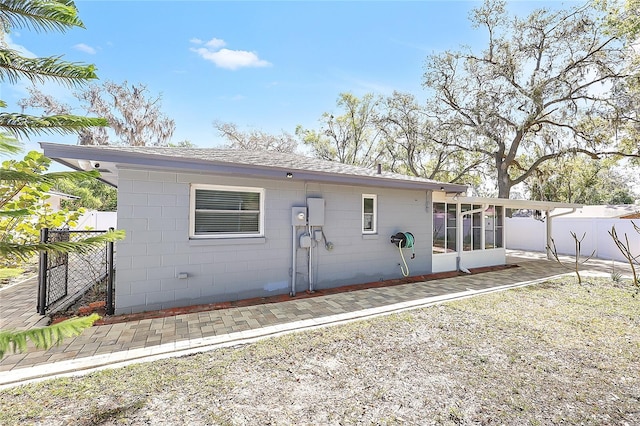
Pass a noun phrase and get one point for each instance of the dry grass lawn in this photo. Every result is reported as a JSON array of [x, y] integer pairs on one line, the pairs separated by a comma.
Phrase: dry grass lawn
[[556, 353]]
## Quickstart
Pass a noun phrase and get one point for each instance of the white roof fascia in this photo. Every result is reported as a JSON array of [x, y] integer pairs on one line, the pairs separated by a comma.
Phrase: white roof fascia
[[72, 155]]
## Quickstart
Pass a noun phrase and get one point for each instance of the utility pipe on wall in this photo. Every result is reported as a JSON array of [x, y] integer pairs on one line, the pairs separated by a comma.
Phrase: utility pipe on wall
[[294, 250], [310, 231], [298, 219]]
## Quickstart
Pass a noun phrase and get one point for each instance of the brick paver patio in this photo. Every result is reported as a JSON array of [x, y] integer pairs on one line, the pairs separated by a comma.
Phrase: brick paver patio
[[113, 344]]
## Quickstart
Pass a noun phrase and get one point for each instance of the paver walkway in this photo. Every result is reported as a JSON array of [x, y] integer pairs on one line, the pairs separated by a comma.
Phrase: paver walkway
[[146, 339], [18, 306]]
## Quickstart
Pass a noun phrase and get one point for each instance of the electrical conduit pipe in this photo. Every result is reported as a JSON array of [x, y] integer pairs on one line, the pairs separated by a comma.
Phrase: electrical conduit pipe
[[293, 261], [310, 231]]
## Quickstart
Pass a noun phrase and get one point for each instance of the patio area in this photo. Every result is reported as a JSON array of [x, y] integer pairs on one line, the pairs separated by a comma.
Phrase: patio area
[[151, 337]]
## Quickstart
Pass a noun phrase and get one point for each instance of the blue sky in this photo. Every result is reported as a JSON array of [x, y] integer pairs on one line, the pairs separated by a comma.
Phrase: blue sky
[[262, 65]]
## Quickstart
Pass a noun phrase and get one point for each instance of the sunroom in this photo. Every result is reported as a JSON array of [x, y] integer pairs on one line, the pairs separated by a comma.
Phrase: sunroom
[[470, 232]]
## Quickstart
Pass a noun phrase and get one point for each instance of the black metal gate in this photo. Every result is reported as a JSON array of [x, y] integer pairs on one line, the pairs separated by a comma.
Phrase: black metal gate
[[63, 278]]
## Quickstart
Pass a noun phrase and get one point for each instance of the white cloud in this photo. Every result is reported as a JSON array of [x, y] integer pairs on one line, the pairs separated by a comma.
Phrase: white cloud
[[85, 48], [226, 58], [216, 43], [195, 41], [233, 59]]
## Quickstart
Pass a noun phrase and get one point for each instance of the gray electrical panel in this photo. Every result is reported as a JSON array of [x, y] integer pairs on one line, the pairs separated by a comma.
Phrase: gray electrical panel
[[316, 211], [298, 216]]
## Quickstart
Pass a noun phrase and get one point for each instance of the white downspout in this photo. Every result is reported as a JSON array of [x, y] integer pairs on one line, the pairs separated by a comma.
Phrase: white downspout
[[310, 267], [294, 251], [550, 229]]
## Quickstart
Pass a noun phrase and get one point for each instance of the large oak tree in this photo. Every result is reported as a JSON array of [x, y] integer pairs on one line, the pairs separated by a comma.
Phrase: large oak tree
[[134, 115], [623, 20], [539, 91], [417, 146]]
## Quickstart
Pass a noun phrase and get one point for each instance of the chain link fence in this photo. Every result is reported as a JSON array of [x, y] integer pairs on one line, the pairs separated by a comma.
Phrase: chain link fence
[[65, 277]]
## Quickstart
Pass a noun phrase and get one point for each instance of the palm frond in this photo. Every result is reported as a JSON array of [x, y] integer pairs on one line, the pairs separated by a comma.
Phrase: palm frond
[[46, 15], [50, 178], [76, 176], [44, 337], [13, 67], [23, 125], [14, 213], [24, 251], [9, 144]]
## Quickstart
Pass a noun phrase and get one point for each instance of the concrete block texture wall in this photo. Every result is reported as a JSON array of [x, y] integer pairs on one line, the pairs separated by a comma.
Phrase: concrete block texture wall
[[159, 266]]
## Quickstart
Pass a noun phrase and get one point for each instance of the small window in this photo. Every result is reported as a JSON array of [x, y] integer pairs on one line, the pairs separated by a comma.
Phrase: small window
[[369, 213], [220, 211]]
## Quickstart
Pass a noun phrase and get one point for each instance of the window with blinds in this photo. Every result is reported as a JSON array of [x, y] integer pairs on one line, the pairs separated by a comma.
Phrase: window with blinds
[[226, 211]]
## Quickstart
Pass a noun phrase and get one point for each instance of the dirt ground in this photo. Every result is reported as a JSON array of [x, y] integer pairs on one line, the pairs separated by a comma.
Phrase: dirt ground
[[556, 353]]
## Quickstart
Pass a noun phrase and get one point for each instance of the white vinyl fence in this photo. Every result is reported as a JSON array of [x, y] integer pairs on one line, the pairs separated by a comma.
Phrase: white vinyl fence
[[98, 220], [525, 233]]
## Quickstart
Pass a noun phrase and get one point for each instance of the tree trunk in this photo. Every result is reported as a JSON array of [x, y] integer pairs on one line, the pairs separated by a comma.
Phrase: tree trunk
[[504, 188], [504, 182]]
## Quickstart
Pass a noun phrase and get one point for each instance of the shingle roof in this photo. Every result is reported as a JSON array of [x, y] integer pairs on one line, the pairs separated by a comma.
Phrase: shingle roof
[[239, 161]]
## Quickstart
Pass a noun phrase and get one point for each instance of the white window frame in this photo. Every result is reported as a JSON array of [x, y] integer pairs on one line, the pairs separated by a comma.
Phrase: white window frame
[[192, 211], [457, 227], [494, 222], [472, 217], [375, 214]]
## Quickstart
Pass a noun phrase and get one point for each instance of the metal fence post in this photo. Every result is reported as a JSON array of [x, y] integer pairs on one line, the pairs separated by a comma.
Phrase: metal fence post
[[110, 271], [42, 274]]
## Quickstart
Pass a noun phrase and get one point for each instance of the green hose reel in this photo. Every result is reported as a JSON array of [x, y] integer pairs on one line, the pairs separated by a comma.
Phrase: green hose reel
[[404, 240]]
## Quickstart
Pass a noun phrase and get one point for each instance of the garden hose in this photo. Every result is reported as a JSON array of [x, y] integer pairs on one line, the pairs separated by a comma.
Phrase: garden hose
[[407, 242]]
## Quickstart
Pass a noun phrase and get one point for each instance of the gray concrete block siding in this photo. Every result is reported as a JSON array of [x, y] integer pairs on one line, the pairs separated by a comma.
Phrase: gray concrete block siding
[[154, 199], [153, 208]]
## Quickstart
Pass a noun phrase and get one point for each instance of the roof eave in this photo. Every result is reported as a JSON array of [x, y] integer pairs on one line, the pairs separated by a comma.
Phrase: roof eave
[[62, 153]]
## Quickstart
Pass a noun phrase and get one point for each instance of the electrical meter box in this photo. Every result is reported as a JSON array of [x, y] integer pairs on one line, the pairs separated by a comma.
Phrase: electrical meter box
[[316, 211], [299, 216], [305, 241]]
